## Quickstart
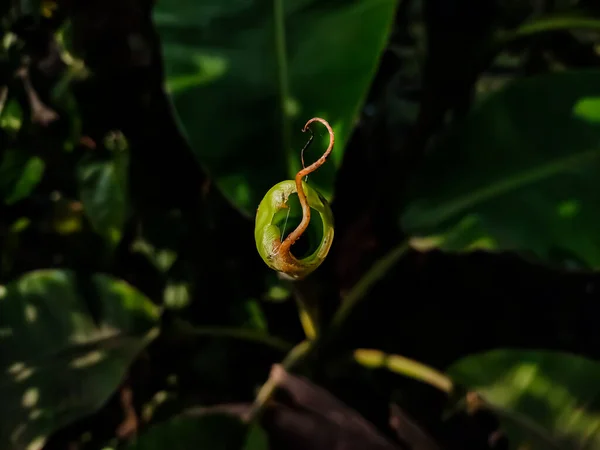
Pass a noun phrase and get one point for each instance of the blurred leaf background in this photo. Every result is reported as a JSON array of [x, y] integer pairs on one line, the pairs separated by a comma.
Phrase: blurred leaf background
[[458, 306]]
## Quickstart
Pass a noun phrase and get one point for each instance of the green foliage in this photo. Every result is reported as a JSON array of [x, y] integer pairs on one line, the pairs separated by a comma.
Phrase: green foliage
[[244, 77], [103, 189], [20, 175], [136, 146], [104, 199], [526, 181], [65, 345], [545, 399]]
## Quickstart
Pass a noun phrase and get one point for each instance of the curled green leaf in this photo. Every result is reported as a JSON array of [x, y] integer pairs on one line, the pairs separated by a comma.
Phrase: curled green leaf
[[274, 212]]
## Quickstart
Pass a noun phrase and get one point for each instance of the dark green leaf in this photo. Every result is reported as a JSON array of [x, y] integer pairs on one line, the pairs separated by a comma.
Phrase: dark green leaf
[[104, 197], [65, 345], [19, 175], [545, 399], [246, 76], [210, 432], [255, 317], [256, 439], [519, 174], [11, 114]]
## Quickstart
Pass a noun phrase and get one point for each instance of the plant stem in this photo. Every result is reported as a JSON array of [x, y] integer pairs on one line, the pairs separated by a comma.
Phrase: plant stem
[[299, 353], [362, 287], [308, 320], [547, 24], [294, 358], [236, 333], [404, 366], [283, 79]]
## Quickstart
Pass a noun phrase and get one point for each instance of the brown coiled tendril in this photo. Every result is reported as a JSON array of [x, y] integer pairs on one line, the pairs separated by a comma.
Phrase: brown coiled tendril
[[285, 247]]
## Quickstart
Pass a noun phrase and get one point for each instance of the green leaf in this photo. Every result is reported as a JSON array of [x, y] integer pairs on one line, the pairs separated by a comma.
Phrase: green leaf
[[254, 315], [19, 175], [545, 399], [246, 76], [65, 345], [256, 439], [11, 113], [519, 174], [104, 197], [210, 431]]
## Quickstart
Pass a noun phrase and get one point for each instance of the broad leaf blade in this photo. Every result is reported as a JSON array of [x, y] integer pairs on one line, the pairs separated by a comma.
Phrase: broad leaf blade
[[104, 197], [19, 175], [244, 82], [546, 399], [65, 345], [519, 174]]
